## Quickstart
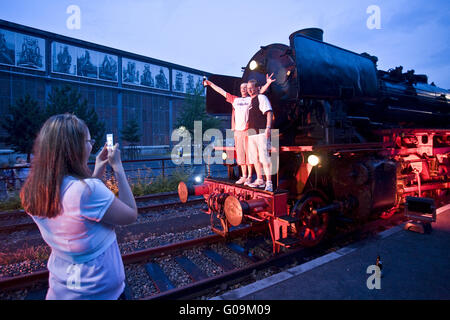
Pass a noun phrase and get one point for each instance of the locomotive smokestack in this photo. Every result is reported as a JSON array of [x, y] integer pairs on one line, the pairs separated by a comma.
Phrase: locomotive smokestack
[[314, 33]]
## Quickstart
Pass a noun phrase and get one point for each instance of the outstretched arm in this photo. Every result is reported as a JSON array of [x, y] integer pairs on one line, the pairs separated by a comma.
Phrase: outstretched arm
[[216, 88], [269, 81]]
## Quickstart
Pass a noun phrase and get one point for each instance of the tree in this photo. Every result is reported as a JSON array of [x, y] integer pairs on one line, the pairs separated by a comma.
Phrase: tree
[[132, 135], [22, 123], [194, 109], [68, 99], [131, 132]]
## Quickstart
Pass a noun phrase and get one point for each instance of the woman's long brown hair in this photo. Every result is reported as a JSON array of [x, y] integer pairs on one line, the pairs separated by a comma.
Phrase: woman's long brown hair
[[59, 150]]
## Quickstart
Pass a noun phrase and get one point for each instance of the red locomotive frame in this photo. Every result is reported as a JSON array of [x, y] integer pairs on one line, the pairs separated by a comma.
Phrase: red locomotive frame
[[306, 222]]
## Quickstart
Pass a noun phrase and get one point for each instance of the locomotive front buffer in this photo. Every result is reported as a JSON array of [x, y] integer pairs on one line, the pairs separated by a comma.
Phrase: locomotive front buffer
[[230, 206]]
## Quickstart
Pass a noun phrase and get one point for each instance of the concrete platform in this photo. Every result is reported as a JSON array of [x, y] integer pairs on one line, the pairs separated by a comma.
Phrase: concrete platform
[[415, 266]]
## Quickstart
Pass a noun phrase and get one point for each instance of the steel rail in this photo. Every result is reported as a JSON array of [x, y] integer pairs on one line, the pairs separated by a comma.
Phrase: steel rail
[[141, 210], [170, 204], [195, 289], [133, 257]]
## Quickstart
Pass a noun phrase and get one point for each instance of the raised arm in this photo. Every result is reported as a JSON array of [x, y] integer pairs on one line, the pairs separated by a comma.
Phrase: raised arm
[[123, 210], [216, 88], [269, 81]]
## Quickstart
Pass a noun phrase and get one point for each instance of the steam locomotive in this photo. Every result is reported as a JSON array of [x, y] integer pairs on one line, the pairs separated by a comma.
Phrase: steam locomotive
[[354, 142]]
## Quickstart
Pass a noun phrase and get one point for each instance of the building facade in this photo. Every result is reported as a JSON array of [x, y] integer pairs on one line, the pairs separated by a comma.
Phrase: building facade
[[119, 85]]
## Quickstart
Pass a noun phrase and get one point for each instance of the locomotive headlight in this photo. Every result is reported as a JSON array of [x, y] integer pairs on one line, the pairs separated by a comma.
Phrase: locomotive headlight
[[253, 65], [198, 179], [224, 156], [313, 160]]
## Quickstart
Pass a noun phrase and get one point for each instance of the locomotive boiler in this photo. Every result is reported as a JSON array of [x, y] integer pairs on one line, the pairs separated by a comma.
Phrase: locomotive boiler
[[354, 141]]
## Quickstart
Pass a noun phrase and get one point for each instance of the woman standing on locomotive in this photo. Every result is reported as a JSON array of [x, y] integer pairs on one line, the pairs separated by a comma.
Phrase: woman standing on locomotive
[[76, 212]]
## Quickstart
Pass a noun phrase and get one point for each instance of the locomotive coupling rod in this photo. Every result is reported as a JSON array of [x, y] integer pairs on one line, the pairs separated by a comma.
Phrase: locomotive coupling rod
[[331, 207]]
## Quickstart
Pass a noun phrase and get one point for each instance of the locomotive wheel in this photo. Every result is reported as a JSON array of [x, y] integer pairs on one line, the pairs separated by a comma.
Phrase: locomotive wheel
[[312, 227]]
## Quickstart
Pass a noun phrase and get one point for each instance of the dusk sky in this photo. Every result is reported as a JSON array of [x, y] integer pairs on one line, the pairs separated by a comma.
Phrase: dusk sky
[[221, 36]]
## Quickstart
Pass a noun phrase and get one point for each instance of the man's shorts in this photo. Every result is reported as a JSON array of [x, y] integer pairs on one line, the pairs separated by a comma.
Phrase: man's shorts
[[241, 144], [257, 149]]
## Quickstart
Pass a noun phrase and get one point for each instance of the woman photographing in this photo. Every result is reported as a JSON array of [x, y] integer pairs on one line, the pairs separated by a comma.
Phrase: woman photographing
[[76, 213]]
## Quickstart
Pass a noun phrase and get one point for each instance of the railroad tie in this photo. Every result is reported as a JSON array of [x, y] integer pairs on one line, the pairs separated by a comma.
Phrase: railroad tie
[[221, 261], [242, 251], [158, 276], [191, 268]]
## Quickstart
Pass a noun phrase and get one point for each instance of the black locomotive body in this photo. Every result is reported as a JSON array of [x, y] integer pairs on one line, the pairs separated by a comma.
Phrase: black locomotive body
[[380, 136]]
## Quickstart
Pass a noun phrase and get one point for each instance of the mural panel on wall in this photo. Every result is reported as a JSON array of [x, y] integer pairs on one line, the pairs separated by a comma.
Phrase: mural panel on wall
[[30, 52], [7, 47], [21, 50], [185, 82], [87, 63], [130, 72], [77, 61], [108, 67], [64, 58], [162, 77], [145, 74]]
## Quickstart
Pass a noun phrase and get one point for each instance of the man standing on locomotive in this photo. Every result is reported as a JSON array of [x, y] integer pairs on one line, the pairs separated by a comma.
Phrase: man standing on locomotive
[[259, 129], [239, 125]]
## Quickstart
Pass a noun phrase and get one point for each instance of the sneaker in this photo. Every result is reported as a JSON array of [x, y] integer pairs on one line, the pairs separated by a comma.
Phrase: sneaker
[[269, 187], [259, 183], [248, 181], [241, 180]]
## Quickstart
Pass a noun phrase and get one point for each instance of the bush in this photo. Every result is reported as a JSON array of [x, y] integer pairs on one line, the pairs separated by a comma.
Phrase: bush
[[11, 204], [146, 184], [141, 186]]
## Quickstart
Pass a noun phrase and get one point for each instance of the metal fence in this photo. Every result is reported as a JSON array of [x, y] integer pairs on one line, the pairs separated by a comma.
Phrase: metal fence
[[12, 178]]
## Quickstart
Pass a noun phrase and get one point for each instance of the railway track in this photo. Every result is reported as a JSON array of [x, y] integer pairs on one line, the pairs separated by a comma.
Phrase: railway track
[[21, 281], [263, 261], [204, 266]]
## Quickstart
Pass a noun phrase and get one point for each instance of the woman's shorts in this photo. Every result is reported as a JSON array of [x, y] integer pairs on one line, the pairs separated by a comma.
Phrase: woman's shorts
[[241, 144]]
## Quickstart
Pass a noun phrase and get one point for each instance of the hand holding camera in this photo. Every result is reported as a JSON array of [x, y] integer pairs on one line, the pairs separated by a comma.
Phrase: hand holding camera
[[100, 163], [110, 153], [114, 158]]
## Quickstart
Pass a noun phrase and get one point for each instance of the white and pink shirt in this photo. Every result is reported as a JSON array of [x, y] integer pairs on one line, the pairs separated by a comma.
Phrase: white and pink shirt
[[241, 107]]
